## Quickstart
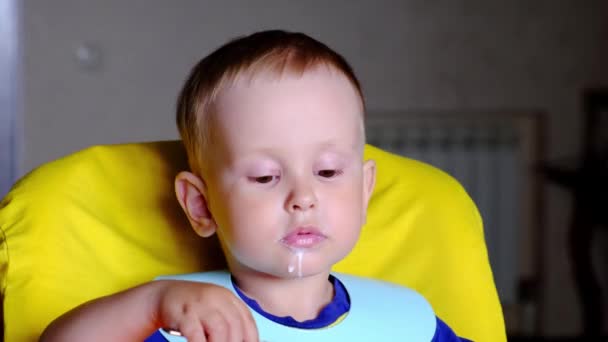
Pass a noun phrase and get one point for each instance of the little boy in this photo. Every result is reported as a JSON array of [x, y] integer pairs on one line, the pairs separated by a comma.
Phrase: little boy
[[273, 127]]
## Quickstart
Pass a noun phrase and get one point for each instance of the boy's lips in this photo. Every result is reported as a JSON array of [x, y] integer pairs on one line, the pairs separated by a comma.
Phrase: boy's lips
[[303, 237]]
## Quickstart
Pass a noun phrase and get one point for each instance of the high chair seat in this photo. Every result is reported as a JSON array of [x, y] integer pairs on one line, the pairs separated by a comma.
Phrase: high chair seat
[[105, 218]]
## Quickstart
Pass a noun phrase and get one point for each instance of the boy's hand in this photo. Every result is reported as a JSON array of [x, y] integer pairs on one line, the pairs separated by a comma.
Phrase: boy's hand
[[205, 312]]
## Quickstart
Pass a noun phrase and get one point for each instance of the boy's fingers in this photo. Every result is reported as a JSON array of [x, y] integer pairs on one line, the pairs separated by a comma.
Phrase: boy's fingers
[[249, 328], [217, 328], [250, 332], [236, 330], [235, 325], [192, 329]]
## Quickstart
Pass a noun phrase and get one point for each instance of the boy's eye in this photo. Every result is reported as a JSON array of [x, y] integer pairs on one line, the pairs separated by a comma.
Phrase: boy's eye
[[329, 173], [264, 179]]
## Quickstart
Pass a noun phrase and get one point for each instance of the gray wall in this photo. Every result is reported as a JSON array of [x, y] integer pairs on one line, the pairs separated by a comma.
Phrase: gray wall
[[420, 54], [10, 83]]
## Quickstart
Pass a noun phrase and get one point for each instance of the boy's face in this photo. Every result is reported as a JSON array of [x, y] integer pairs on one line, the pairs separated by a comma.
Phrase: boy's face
[[288, 180]]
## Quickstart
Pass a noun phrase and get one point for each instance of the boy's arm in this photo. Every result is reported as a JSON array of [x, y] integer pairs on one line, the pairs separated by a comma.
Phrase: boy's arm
[[199, 311], [130, 315]]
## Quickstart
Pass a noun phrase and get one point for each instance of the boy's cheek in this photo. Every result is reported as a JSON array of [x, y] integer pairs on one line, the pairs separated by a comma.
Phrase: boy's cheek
[[346, 203], [350, 192]]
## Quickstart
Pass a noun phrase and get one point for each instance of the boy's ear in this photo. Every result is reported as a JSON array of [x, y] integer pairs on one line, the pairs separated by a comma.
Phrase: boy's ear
[[369, 181], [191, 194]]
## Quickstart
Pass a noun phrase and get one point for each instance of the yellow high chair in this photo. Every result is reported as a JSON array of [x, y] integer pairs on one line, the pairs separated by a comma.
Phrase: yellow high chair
[[104, 219]]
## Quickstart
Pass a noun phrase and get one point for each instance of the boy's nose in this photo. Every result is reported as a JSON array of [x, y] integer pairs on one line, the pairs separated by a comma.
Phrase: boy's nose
[[301, 199]]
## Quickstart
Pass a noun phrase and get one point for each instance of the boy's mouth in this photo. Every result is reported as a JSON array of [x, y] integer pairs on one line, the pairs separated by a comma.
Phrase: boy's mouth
[[303, 237]]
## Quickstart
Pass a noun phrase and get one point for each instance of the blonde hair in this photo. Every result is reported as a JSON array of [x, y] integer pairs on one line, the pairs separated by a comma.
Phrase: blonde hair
[[273, 52]]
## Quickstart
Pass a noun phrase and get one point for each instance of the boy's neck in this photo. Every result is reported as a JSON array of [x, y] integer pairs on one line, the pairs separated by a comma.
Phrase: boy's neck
[[301, 298]]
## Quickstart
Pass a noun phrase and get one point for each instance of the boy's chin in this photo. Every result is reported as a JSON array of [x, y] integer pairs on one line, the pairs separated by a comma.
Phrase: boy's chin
[[294, 273], [297, 266], [308, 274], [307, 271]]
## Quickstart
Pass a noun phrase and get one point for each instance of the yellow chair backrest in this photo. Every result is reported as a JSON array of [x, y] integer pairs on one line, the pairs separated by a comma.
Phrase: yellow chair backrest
[[105, 218]]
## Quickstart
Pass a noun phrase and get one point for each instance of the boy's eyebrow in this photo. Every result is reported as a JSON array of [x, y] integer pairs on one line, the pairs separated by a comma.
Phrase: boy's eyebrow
[[331, 144], [328, 144]]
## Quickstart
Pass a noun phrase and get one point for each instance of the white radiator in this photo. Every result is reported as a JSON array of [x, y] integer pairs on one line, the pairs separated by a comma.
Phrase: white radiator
[[490, 155]]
